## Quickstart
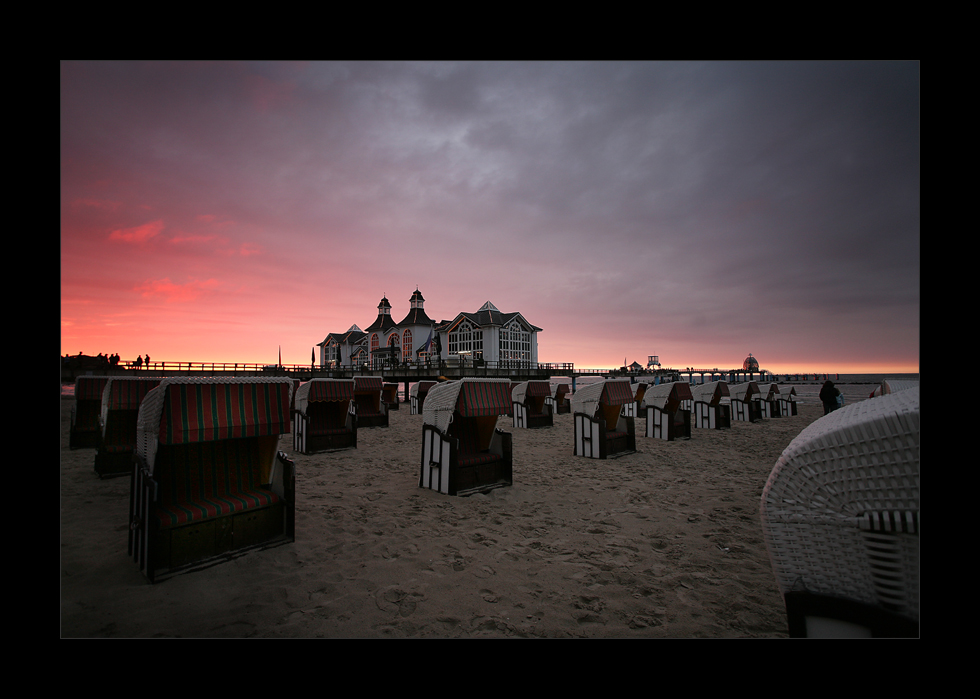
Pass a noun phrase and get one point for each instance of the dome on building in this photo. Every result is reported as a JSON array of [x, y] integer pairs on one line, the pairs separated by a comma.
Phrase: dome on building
[[750, 363]]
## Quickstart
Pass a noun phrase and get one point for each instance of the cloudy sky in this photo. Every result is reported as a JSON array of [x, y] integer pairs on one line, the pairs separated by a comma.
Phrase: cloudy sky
[[697, 211]]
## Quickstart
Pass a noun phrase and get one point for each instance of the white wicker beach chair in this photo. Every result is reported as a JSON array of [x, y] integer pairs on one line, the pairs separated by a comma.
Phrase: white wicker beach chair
[[662, 413], [712, 405], [601, 431], [532, 405], [463, 452], [840, 516]]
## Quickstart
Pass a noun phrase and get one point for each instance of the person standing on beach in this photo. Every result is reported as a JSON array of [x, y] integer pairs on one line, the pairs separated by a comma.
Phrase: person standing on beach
[[828, 396]]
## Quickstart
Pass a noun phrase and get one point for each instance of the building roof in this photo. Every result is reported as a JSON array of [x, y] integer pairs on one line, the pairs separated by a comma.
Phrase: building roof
[[486, 316]]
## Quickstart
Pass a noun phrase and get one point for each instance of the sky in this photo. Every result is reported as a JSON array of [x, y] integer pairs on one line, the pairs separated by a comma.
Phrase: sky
[[698, 211]]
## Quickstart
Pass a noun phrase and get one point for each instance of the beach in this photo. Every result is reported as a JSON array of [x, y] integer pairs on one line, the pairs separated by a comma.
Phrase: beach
[[662, 543]]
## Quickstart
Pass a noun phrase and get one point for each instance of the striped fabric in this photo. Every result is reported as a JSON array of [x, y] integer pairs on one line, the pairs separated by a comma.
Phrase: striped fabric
[[90, 387], [617, 393], [538, 388], [368, 383], [209, 479], [481, 398], [127, 394], [330, 391], [200, 412]]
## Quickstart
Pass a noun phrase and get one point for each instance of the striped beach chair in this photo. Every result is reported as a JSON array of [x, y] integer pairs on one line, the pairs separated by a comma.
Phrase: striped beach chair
[[325, 418], [463, 452], [840, 517], [389, 396], [560, 399], [84, 430], [786, 401], [121, 400], [371, 410], [417, 394], [663, 415], [712, 407], [209, 482], [632, 409], [601, 431], [745, 406], [532, 407]]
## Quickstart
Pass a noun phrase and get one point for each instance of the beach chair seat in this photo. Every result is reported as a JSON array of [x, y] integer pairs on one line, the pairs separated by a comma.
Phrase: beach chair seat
[[116, 445], [325, 418], [560, 400], [601, 431], [369, 407], [661, 410], [840, 517], [208, 481], [463, 452]]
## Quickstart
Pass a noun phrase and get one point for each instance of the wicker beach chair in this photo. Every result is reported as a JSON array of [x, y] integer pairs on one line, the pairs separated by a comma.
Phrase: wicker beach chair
[[560, 399], [121, 400], [601, 431], [209, 482], [840, 516], [745, 406], [371, 410], [85, 428], [712, 405], [531, 408], [632, 409], [786, 402], [768, 400], [463, 452], [894, 386], [663, 416], [325, 419], [417, 394], [389, 396]]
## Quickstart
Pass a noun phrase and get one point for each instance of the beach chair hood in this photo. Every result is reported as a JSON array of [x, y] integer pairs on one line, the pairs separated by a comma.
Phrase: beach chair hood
[[471, 397], [660, 395], [531, 389], [125, 393], [323, 390], [610, 392], [711, 392], [189, 410]]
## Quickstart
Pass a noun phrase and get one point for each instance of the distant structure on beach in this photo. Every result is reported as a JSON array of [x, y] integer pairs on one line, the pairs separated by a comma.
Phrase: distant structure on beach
[[750, 363], [484, 336]]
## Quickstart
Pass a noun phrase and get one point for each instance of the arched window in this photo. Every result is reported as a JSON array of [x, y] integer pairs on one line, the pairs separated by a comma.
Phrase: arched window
[[515, 342], [407, 344], [465, 337], [374, 342]]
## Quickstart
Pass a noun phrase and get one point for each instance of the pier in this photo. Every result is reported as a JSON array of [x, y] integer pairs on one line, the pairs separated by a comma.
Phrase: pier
[[73, 367]]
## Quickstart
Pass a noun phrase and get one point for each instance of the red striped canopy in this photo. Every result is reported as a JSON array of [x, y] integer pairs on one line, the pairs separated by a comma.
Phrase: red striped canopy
[[201, 412], [127, 394], [538, 388], [90, 387], [482, 398], [616, 393], [368, 383], [330, 391]]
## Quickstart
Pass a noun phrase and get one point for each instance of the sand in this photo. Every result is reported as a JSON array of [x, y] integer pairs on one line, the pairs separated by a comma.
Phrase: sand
[[663, 543]]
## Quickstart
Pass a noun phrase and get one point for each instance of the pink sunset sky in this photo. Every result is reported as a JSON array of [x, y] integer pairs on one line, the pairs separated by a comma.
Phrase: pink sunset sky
[[696, 211]]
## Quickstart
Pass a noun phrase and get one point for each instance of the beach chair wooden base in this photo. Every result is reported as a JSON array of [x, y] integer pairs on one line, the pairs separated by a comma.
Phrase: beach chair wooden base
[[594, 441], [163, 551], [712, 417], [372, 420], [745, 411], [449, 470], [308, 438], [822, 616], [669, 426], [525, 419], [785, 408]]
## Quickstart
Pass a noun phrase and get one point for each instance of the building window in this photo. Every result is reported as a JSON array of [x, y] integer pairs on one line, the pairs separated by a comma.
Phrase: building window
[[466, 338], [407, 345], [374, 342], [515, 342]]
